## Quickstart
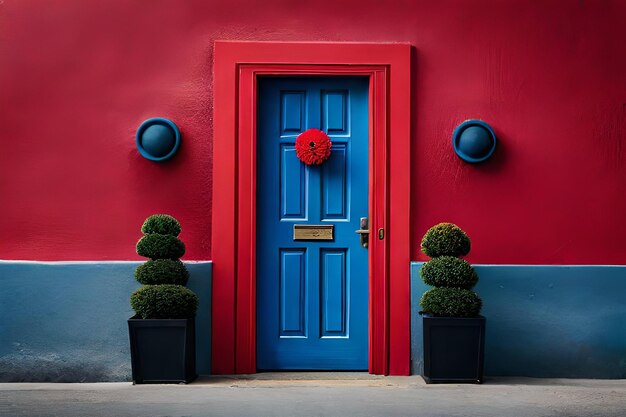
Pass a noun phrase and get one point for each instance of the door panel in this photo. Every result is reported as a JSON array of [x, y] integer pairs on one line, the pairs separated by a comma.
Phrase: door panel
[[334, 294], [312, 296]]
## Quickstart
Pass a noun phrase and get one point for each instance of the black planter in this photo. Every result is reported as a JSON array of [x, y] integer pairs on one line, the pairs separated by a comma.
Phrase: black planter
[[454, 349], [162, 351]]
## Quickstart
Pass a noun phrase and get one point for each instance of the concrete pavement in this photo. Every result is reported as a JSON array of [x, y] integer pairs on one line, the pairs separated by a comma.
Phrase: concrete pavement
[[319, 394]]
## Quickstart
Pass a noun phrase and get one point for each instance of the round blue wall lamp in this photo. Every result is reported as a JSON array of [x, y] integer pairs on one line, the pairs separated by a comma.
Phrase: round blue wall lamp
[[474, 141], [158, 139]]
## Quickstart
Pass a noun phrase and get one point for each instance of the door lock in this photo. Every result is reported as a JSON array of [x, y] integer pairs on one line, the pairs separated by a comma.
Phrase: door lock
[[364, 231]]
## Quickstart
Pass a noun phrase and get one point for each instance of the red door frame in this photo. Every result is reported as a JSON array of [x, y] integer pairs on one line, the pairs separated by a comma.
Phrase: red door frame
[[236, 68]]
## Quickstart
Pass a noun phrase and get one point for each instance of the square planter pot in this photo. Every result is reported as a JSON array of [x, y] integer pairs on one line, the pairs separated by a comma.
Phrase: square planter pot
[[454, 349], [162, 351]]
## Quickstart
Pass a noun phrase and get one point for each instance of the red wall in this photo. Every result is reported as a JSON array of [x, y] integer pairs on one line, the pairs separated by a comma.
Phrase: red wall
[[77, 78]]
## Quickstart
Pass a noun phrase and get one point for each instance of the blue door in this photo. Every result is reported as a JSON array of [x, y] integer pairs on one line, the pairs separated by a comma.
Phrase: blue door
[[312, 295]]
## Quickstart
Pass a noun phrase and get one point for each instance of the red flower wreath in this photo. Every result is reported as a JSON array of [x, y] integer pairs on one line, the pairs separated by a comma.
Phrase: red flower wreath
[[313, 146]]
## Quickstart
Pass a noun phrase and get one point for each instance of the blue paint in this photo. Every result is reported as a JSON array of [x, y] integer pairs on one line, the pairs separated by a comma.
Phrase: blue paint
[[200, 278], [158, 139], [474, 141], [545, 321], [66, 322], [312, 295]]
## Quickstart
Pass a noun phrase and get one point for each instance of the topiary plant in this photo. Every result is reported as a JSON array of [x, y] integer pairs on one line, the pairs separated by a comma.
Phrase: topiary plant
[[158, 246], [162, 271], [452, 277], [445, 239], [448, 271], [451, 302], [165, 301], [163, 295], [163, 224]]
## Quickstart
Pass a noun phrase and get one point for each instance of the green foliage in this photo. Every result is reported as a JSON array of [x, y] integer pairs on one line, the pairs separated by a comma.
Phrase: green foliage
[[451, 302], [162, 271], [445, 239], [451, 276], [157, 246], [449, 271], [162, 224], [164, 302], [163, 295]]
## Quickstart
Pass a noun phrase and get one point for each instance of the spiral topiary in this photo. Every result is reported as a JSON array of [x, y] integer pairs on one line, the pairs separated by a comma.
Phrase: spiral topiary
[[445, 239], [452, 277], [163, 295]]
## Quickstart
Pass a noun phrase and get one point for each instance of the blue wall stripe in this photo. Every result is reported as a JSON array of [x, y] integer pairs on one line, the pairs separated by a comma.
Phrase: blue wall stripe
[[66, 321], [542, 321], [545, 321]]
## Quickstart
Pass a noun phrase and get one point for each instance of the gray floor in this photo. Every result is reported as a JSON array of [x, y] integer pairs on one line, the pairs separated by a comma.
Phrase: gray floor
[[319, 394]]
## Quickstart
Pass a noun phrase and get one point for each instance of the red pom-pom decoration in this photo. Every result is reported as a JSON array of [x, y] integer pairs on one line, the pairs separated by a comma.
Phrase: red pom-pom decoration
[[313, 146]]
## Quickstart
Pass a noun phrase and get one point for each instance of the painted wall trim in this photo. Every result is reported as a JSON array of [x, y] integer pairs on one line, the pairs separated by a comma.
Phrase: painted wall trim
[[541, 265], [8, 261], [558, 321], [235, 69], [67, 321]]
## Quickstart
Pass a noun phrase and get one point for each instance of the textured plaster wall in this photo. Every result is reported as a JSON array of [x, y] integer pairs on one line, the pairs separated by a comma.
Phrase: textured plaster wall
[[544, 321], [77, 78], [67, 322]]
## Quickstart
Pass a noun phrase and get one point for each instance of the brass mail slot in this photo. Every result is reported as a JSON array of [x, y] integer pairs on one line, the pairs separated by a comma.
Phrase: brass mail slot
[[313, 231]]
